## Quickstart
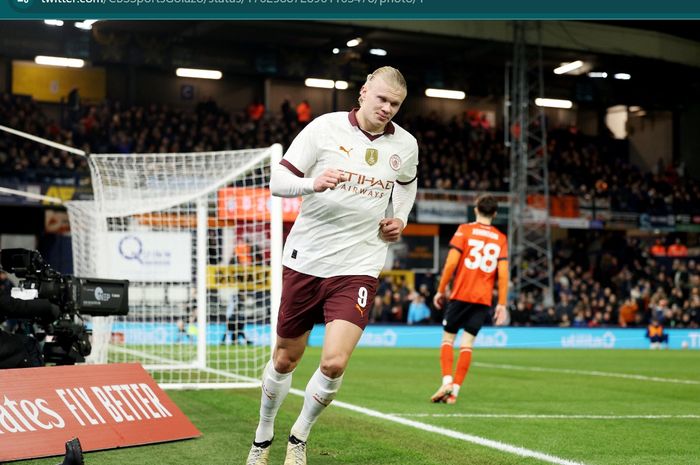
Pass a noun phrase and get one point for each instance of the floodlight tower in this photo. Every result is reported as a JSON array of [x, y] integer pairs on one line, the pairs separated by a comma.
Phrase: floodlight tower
[[529, 230]]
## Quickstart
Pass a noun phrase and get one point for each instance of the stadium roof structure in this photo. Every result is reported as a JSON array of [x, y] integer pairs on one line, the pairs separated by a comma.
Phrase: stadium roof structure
[[663, 57]]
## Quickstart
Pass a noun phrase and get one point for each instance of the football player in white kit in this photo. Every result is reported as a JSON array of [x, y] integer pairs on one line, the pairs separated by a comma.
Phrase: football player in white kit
[[348, 166]]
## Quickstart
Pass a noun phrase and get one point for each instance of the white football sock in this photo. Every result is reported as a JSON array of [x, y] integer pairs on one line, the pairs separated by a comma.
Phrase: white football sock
[[455, 390], [320, 392], [275, 387]]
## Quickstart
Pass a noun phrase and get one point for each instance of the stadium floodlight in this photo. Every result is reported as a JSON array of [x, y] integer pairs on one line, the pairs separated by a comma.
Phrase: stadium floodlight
[[634, 109], [198, 73], [553, 103], [354, 42], [59, 61], [623, 76], [598, 74], [445, 93], [53, 22], [320, 83], [341, 85], [380, 52], [85, 25], [336, 51], [568, 67]]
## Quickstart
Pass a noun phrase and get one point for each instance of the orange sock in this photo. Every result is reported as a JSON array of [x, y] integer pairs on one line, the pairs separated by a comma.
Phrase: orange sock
[[463, 362], [446, 358]]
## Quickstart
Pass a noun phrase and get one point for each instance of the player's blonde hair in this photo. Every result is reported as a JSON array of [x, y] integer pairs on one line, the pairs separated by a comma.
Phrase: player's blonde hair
[[390, 75]]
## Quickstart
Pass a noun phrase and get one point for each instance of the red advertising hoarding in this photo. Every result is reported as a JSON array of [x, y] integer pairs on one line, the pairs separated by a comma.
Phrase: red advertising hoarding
[[105, 406]]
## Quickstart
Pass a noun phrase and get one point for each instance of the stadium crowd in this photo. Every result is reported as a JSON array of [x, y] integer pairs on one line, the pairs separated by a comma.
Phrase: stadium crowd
[[598, 282], [467, 154], [464, 153], [614, 280]]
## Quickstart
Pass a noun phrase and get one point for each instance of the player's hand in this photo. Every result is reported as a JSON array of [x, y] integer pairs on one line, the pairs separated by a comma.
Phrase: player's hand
[[390, 229], [502, 315], [329, 179], [439, 300]]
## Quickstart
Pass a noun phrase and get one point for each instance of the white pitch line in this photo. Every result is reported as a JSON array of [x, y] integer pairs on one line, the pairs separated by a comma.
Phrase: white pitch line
[[500, 446], [589, 373], [548, 417]]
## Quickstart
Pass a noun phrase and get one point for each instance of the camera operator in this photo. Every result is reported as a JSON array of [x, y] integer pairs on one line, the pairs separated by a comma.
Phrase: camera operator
[[22, 350]]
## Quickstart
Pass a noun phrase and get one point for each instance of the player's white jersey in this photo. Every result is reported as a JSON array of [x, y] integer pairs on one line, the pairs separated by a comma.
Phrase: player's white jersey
[[337, 231]]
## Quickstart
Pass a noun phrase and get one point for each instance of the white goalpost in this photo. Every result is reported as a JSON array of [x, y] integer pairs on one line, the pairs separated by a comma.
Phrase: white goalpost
[[199, 237]]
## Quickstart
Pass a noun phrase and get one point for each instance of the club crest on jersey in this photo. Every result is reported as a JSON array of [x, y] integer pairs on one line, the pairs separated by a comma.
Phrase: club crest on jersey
[[371, 156], [395, 162]]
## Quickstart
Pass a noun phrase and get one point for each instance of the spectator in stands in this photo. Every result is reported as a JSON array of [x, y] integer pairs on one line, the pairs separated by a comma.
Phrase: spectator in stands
[[580, 320], [677, 249], [692, 309], [660, 310], [242, 252], [628, 313], [520, 313], [418, 311], [304, 113], [387, 315], [399, 308], [256, 110], [565, 322], [376, 313], [658, 249], [565, 306]]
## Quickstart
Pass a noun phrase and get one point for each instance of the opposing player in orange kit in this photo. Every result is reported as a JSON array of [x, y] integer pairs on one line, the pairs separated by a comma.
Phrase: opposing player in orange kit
[[478, 252]]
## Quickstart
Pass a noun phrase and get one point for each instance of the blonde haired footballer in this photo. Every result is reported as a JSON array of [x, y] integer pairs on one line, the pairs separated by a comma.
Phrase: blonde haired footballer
[[347, 166]]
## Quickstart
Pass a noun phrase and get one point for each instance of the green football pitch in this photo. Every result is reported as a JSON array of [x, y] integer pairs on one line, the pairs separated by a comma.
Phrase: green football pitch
[[517, 407]]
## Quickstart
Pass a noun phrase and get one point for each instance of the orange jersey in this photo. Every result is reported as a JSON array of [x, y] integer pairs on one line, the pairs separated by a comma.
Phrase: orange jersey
[[482, 246], [655, 331]]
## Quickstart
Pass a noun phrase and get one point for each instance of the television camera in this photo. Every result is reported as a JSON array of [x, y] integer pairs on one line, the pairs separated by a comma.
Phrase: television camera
[[58, 324]]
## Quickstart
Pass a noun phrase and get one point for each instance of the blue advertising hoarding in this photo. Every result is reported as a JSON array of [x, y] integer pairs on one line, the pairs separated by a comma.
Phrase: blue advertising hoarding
[[429, 336]]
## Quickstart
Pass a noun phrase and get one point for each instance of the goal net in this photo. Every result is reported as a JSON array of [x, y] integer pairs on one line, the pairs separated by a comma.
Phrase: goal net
[[198, 236]]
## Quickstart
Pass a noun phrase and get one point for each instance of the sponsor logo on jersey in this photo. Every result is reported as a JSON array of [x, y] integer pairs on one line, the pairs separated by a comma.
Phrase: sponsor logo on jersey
[[369, 186], [371, 156], [368, 180], [347, 151], [395, 162]]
